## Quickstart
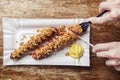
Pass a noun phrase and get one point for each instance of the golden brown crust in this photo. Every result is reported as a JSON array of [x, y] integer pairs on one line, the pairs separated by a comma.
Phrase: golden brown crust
[[65, 38], [62, 39], [33, 42], [77, 29], [55, 44]]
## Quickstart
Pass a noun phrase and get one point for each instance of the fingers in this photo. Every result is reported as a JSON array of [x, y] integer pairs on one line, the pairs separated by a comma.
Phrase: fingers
[[111, 54], [107, 50], [113, 62], [104, 54], [111, 51], [112, 15], [105, 6], [109, 0], [117, 68], [101, 47], [102, 19], [112, 0]]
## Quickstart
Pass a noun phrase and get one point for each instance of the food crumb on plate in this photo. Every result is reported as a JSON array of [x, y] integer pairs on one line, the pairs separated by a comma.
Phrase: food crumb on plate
[[23, 37], [38, 30], [21, 43], [67, 54], [16, 41]]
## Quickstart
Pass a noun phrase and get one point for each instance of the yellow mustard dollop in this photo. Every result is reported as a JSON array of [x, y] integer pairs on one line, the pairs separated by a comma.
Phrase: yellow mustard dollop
[[76, 51]]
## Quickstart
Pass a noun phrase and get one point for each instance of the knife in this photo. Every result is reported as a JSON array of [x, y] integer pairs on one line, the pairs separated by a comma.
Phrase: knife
[[90, 44]]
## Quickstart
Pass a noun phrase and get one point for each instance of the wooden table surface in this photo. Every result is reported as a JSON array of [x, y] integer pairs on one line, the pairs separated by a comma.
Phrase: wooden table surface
[[59, 9]]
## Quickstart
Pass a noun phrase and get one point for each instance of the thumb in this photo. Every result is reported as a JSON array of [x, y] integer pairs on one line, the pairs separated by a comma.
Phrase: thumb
[[100, 20]]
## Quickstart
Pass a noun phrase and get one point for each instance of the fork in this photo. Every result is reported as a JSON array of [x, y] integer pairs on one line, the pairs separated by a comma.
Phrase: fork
[[85, 25]]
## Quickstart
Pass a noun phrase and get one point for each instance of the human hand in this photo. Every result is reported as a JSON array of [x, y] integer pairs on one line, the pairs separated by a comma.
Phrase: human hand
[[113, 6], [111, 51]]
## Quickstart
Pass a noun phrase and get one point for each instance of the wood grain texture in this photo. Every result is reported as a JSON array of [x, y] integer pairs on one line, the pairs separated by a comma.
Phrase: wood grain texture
[[59, 9]]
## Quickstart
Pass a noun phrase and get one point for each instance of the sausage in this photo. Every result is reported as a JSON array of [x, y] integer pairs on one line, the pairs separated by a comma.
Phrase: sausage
[[56, 39], [33, 42], [57, 43]]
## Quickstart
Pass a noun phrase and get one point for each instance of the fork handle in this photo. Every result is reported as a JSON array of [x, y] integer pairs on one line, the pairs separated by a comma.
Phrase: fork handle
[[102, 13]]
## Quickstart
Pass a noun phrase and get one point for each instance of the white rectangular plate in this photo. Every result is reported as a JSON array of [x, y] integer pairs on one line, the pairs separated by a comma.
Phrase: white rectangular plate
[[14, 29]]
